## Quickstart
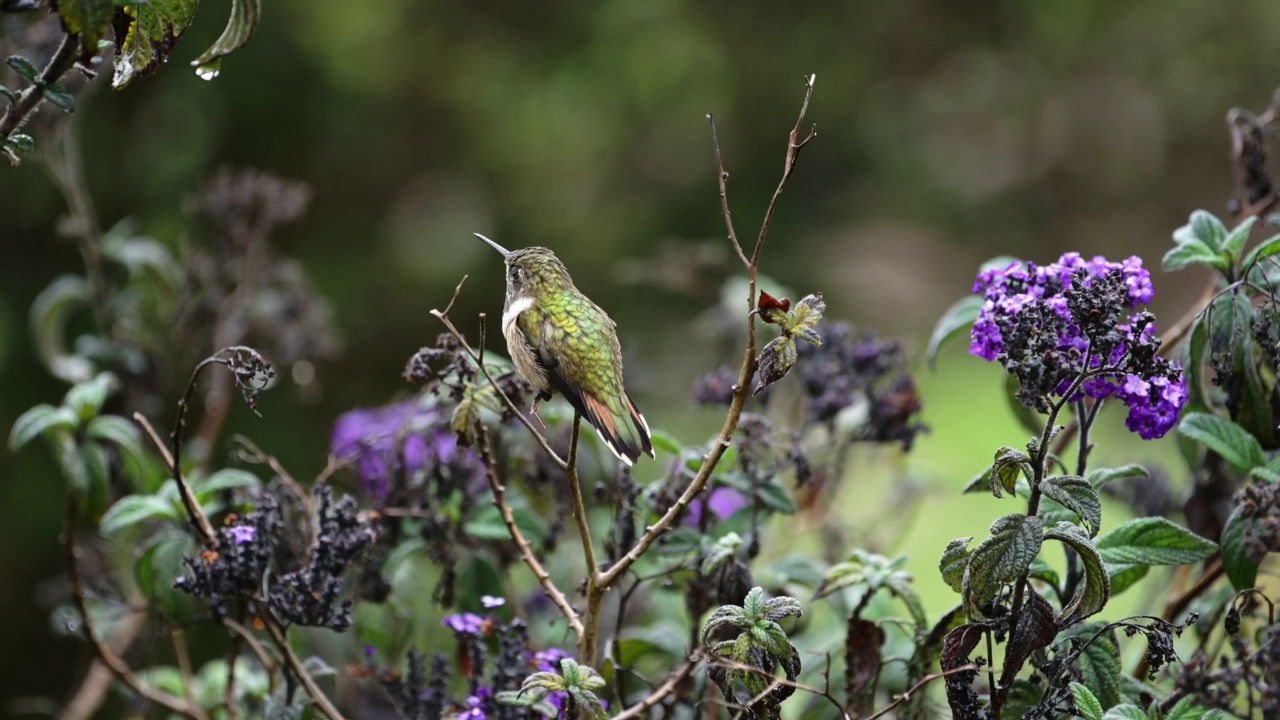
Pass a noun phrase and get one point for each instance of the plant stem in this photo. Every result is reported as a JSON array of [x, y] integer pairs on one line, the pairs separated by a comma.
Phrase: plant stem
[[63, 59]]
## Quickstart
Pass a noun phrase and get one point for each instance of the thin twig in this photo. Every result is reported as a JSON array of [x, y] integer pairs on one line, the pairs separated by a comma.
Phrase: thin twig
[[19, 110], [724, 194], [184, 668], [539, 437], [904, 697], [254, 644], [776, 682], [98, 680], [662, 691], [114, 662], [522, 544], [194, 512], [278, 636], [740, 390]]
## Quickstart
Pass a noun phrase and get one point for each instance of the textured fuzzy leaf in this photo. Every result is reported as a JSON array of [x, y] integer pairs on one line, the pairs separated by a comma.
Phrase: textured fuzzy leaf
[[1125, 712], [226, 479], [1125, 575], [1233, 244], [958, 318], [1186, 709], [1265, 249], [85, 399], [1001, 558], [1192, 254], [118, 431], [1240, 565], [776, 360], [150, 31], [1154, 541], [1096, 588], [50, 313], [1101, 476], [1036, 629], [1100, 668], [23, 67], [1224, 437], [1077, 495], [1087, 705], [244, 18], [955, 558]]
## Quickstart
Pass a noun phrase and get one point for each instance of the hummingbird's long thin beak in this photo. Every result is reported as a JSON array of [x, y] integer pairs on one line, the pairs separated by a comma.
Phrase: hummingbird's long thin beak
[[505, 252]]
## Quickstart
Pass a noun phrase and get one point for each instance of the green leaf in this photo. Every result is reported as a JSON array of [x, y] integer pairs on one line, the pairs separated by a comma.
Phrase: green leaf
[[60, 97], [776, 497], [1224, 437], [1265, 249], [1094, 592], [1100, 668], [1124, 576], [23, 67], [1203, 227], [1077, 495], [1001, 558], [665, 442], [1192, 254], [1086, 704], [224, 479], [154, 28], [486, 523], [958, 318], [1240, 565], [1098, 477], [955, 558], [1186, 709], [50, 312], [1125, 712], [1041, 570], [90, 18], [38, 420], [12, 96], [244, 18], [1233, 244], [117, 431], [23, 142], [133, 509], [86, 398], [1154, 541]]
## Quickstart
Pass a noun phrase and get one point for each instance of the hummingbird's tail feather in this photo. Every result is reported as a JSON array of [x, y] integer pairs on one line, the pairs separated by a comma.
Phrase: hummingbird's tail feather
[[626, 433]]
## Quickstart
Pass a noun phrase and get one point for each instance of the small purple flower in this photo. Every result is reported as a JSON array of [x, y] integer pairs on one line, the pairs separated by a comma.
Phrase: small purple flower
[[549, 660], [407, 436], [723, 501], [474, 711], [242, 534], [491, 602], [464, 623], [370, 651]]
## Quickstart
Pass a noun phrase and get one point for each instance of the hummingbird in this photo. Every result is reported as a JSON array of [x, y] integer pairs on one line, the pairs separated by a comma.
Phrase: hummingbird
[[562, 342]]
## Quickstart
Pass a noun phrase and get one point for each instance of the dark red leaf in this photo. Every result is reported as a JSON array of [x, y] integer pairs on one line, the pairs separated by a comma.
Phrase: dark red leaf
[[862, 654]]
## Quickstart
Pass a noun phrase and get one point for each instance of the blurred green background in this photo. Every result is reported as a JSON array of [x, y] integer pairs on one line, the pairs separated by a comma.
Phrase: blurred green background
[[948, 133]]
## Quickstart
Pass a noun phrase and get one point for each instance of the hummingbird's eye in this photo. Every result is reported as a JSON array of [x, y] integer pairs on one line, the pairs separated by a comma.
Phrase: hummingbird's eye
[[516, 274]]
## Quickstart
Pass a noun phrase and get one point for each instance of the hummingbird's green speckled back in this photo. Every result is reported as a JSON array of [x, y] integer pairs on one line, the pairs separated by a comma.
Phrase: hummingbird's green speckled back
[[561, 341]]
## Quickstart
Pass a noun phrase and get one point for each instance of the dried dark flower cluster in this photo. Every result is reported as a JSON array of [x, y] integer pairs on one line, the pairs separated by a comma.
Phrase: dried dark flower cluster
[[1260, 502], [448, 370], [251, 371], [307, 596], [423, 694], [1244, 676], [239, 289], [241, 566], [1160, 635], [238, 567]]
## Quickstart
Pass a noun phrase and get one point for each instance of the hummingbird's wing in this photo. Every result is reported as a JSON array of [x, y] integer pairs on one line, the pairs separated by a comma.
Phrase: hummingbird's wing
[[577, 346]]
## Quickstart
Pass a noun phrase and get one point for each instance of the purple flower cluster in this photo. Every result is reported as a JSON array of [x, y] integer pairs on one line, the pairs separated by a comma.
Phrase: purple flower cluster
[[1064, 327], [402, 438], [464, 623]]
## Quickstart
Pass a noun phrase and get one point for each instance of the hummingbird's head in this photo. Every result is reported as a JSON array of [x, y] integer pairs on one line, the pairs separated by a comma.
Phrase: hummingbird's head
[[533, 271]]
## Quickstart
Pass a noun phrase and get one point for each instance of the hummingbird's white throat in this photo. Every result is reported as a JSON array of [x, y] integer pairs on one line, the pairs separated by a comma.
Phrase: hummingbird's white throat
[[513, 311]]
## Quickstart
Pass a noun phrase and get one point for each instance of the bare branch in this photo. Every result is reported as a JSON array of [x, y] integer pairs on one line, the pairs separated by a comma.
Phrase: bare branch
[[662, 691], [794, 145], [904, 697], [539, 437], [118, 667], [522, 544], [724, 194], [278, 636]]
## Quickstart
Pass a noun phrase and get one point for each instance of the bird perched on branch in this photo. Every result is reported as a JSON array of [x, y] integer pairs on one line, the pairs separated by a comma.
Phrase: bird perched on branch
[[561, 341]]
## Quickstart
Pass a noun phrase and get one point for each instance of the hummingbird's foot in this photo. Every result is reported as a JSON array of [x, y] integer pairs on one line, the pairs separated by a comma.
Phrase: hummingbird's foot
[[533, 410]]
